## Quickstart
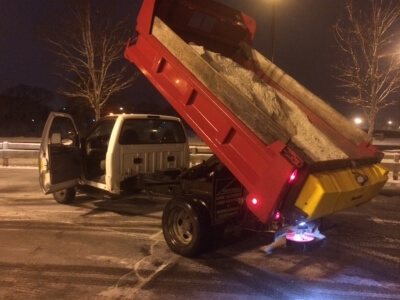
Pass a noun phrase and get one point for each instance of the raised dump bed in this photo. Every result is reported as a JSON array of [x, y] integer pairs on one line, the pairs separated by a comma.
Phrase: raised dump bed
[[291, 151]]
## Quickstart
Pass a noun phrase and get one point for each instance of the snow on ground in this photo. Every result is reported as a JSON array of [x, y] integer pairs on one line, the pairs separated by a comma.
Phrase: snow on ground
[[283, 111]]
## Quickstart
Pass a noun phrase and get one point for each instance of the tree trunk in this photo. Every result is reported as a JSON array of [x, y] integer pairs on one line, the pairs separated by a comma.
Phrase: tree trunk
[[371, 127], [97, 111]]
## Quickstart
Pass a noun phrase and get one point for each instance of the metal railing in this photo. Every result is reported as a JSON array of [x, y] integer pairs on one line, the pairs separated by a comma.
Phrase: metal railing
[[391, 161], [14, 150], [198, 153], [10, 150]]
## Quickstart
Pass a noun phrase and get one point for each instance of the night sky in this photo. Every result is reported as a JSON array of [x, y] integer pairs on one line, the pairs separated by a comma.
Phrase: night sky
[[304, 44]]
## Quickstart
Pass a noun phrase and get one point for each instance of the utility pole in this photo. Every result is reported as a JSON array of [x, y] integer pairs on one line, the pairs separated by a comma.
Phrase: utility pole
[[272, 44]]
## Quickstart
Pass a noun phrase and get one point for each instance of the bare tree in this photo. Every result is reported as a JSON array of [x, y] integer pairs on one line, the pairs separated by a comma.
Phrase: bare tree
[[369, 72], [89, 44]]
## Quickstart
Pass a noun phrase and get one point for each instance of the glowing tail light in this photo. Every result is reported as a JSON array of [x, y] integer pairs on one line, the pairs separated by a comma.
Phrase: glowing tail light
[[277, 216], [293, 176], [254, 201]]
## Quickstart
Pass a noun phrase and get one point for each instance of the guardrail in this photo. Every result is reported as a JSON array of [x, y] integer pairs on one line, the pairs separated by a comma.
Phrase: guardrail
[[9, 150], [198, 153], [12, 150], [391, 161]]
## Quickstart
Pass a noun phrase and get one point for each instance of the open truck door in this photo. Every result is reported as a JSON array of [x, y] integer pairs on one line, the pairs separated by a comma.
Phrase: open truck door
[[59, 156]]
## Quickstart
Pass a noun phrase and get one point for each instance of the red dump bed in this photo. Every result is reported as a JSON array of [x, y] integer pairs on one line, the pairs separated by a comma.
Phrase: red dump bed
[[260, 151]]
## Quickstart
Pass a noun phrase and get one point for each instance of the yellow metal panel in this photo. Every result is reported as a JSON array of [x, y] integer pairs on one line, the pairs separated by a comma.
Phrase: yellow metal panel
[[325, 193]]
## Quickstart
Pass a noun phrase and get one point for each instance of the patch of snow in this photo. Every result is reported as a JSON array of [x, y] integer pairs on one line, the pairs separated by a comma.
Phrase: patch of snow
[[382, 221], [355, 280]]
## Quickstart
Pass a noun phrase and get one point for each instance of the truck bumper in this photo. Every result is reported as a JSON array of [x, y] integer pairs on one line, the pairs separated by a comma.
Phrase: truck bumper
[[328, 192]]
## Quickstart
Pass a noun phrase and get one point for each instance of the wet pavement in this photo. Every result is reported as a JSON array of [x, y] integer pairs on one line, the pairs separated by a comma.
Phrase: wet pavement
[[114, 249]]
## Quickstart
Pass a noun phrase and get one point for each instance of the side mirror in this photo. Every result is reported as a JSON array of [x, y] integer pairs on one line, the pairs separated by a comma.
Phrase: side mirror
[[55, 138]]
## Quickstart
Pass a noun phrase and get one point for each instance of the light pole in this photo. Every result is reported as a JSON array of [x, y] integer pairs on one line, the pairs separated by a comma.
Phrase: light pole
[[272, 44]]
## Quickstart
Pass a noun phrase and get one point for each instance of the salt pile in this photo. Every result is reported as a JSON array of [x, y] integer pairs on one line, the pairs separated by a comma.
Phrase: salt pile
[[283, 111]]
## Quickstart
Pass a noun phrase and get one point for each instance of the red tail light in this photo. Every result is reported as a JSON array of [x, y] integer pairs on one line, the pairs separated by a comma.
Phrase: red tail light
[[254, 201], [277, 216], [293, 176]]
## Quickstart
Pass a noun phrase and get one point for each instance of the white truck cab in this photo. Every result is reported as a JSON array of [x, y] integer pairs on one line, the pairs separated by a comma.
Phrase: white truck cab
[[115, 156]]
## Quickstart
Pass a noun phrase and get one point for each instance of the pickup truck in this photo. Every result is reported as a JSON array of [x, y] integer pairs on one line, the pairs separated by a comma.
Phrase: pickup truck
[[284, 158], [121, 154]]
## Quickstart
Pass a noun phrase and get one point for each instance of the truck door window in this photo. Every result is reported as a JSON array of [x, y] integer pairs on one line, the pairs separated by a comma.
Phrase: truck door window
[[99, 136], [151, 131]]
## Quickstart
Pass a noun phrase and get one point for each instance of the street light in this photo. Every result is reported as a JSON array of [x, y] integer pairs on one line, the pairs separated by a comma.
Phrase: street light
[[358, 121]]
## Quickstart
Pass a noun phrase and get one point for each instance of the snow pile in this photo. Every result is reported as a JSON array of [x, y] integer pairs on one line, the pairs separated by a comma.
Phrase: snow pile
[[283, 111]]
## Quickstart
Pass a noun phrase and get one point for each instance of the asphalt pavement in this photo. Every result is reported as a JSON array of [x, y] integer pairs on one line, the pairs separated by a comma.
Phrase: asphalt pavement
[[114, 249]]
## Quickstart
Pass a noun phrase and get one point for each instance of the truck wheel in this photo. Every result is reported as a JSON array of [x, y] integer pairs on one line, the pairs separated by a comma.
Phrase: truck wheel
[[64, 196], [186, 227]]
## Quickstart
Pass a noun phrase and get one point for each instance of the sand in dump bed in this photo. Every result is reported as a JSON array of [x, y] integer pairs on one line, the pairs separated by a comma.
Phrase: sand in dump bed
[[283, 111]]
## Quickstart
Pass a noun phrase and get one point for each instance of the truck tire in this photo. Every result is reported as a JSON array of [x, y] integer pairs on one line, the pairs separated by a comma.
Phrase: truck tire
[[186, 227], [65, 196]]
